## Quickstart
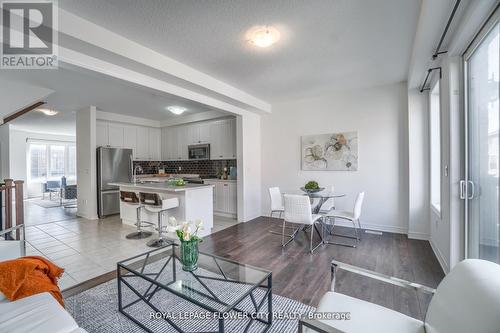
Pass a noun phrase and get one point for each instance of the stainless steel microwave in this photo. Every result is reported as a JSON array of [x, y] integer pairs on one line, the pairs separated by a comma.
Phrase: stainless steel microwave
[[199, 152]]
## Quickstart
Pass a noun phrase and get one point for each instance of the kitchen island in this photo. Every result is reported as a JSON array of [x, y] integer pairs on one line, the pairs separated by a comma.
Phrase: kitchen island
[[195, 202]]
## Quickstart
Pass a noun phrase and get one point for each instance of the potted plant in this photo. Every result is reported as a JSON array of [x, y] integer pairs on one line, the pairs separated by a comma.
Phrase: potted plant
[[189, 241], [312, 187]]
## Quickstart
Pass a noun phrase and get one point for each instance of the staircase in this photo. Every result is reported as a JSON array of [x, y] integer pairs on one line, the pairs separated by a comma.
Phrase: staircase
[[11, 197]]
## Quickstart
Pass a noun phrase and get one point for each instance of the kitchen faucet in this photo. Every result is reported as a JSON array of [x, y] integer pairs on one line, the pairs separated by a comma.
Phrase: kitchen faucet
[[136, 168]]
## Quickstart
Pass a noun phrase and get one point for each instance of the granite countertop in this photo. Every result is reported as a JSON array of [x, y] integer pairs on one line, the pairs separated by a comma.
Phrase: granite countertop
[[162, 186]]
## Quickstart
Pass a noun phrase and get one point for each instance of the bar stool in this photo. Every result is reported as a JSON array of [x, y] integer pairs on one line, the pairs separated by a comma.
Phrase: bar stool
[[152, 203], [131, 199]]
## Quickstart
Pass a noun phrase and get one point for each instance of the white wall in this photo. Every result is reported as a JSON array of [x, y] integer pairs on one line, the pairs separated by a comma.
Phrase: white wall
[[4, 151], [249, 146], [379, 114], [18, 152], [86, 163], [418, 166]]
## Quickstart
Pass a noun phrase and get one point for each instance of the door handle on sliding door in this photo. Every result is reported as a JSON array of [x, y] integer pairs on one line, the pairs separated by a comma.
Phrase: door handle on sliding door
[[463, 189], [472, 190]]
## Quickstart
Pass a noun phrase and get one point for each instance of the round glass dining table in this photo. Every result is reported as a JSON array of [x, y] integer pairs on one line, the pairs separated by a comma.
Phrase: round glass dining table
[[323, 196]]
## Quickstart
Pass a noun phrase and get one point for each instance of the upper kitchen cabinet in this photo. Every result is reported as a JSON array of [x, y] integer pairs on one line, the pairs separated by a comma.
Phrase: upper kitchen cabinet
[[154, 144], [142, 151], [116, 135], [102, 136], [182, 142], [220, 134], [144, 141], [174, 143], [130, 138], [223, 139], [198, 133]]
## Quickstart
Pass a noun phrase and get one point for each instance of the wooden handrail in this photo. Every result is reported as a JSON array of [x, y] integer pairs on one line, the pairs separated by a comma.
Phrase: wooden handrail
[[7, 188]]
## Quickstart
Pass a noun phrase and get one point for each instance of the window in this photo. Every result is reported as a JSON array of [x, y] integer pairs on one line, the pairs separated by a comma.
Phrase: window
[[435, 149], [51, 161], [56, 161], [38, 162], [71, 169]]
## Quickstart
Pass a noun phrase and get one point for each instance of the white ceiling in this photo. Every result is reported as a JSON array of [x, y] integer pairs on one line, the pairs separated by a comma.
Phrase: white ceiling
[[326, 44], [78, 89]]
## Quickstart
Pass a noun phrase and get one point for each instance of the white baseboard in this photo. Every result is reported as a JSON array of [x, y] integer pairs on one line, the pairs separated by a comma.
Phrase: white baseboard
[[418, 235], [87, 217], [376, 227], [233, 216], [440, 257]]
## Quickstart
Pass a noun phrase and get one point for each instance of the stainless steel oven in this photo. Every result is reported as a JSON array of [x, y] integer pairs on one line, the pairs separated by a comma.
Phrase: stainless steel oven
[[199, 152]]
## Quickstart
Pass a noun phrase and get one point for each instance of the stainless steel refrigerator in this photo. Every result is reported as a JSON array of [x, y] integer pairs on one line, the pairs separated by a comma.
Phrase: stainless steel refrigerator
[[113, 165]]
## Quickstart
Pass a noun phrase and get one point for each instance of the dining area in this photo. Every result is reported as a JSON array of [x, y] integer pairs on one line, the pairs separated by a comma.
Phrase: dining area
[[312, 209]]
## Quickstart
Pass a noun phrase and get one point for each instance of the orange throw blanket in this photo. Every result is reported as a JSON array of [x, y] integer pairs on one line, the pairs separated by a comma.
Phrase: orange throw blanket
[[28, 276]]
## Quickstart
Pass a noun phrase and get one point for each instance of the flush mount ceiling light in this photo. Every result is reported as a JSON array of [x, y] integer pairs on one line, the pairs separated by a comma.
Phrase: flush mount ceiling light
[[263, 36], [176, 109], [48, 112]]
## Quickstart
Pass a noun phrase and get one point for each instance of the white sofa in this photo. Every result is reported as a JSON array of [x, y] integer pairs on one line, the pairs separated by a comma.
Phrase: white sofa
[[39, 313], [467, 300]]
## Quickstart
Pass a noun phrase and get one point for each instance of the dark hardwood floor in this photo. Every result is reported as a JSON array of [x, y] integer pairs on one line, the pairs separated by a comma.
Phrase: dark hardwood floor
[[305, 277]]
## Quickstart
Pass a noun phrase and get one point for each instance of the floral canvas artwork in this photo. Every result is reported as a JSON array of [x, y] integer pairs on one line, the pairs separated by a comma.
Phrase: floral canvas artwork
[[336, 151]]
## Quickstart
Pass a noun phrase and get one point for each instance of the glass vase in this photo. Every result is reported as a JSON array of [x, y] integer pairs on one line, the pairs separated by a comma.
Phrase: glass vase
[[189, 255]]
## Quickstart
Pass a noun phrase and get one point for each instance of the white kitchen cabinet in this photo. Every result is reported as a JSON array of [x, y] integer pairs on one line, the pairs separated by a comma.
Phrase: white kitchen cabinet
[[130, 138], [225, 197], [116, 135], [230, 196], [154, 144], [198, 133], [142, 150], [101, 139], [170, 142], [204, 132], [223, 139], [182, 143]]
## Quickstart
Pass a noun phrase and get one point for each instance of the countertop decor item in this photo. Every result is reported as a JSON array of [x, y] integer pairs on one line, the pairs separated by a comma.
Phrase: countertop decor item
[[189, 242], [335, 151]]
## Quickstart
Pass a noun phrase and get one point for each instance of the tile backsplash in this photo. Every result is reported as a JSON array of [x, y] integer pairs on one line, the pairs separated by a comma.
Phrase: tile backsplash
[[204, 168]]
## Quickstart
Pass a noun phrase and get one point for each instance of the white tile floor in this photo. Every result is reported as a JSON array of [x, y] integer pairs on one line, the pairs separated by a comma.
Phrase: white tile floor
[[87, 249]]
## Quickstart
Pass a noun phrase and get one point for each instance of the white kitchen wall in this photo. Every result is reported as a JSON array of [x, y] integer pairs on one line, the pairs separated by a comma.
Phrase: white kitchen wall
[[379, 114]]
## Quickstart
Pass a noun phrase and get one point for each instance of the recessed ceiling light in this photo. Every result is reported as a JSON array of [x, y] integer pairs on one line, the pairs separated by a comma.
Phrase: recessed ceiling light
[[176, 109], [48, 112], [263, 36]]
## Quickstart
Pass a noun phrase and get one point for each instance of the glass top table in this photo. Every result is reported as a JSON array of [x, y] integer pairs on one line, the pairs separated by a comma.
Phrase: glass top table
[[154, 281], [323, 196]]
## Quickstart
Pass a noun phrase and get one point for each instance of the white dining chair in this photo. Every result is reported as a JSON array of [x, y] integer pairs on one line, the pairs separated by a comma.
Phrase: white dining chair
[[351, 216], [298, 211], [276, 201]]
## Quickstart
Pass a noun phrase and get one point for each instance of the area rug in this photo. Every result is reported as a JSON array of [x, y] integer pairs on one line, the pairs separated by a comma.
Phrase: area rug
[[46, 203], [96, 311]]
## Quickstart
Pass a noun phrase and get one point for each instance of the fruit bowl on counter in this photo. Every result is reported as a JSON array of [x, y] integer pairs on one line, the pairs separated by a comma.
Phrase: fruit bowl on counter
[[176, 182]]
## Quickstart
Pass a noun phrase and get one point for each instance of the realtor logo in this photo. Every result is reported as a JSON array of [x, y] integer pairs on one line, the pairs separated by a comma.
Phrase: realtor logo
[[28, 36]]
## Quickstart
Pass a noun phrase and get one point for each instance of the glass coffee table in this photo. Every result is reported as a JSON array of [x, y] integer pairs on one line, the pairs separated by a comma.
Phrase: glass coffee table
[[221, 295]]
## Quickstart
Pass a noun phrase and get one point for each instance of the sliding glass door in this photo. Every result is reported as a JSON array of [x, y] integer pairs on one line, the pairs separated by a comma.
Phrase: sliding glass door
[[481, 186]]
